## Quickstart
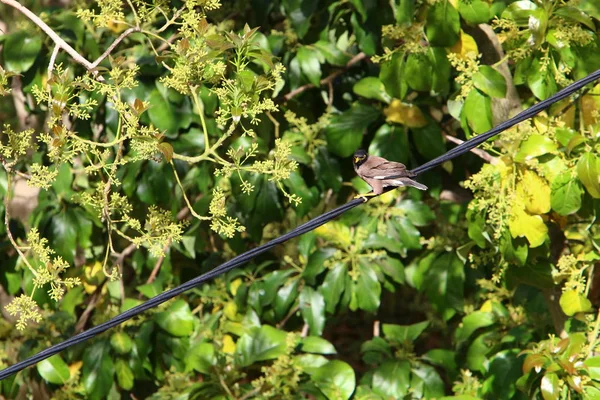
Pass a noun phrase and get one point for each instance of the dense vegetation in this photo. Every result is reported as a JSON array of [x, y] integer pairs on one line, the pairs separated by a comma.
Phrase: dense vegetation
[[144, 142]]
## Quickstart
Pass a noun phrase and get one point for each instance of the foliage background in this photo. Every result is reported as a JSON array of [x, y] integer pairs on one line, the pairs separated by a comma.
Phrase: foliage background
[[213, 127]]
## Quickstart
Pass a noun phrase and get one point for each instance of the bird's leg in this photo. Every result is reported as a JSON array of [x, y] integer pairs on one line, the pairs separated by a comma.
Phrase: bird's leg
[[364, 196]]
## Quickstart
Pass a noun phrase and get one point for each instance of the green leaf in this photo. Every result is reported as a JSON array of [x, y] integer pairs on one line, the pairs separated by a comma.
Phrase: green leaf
[[392, 379], [312, 307], [390, 142], [538, 275], [371, 88], [336, 380], [588, 170], [300, 12], [550, 387], [161, 114], [472, 322], [535, 146], [519, 11], [391, 75], [121, 342], [541, 81], [504, 370], [345, 131], [265, 343], [565, 197], [575, 14], [572, 303], [593, 367], [315, 344], [393, 268], [403, 11], [54, 370], [404, 333], [474, 11], [333, 286], [63, 234], [97, 371], [124, 374], [420, 70], [332, 54], [308, 60], [177, 320], [478, 111], [20, 50], [367, 288], [443, 282], [429, 140], [408, 234], [443, 24], [286, 295], [201, 358], [490, 81]]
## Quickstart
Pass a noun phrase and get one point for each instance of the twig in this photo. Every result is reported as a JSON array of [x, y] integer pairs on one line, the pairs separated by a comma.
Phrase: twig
[[53, 35], [158, 264], [478, 152], [330, 78], [88, 310], [53, 60], [113, 45], [288, 316]]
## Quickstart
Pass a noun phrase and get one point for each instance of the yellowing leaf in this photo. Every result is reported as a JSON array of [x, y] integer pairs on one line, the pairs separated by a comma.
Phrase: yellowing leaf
[[572, 303], [464, 45], [530, 226], [406, 114], [335, 232], [535, 193], [230, 311], [228, 344], [75, 367], [233, 287], [487, 306]]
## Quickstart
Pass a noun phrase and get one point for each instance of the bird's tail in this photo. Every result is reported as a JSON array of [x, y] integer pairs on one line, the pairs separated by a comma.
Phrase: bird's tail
[[410, 182]]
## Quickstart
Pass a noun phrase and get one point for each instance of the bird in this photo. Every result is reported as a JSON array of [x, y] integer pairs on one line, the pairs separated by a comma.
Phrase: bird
[[380, 173]]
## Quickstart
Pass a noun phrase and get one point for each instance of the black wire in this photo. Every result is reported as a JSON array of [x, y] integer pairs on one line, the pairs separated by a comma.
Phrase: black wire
[[306, 227]]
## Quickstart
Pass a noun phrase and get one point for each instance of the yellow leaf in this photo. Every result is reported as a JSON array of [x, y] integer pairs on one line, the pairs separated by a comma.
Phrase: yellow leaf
[[454, 3], [230, 311], [535, 193], [572, 303], [406, 114], [75, 367], [487, 306], [335, 232], [464, 45], [116, 27], [233, 287], [228, 344], [530, 226]]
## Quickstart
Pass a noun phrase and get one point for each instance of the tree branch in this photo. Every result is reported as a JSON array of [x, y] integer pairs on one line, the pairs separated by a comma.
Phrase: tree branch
[[330, 78], [114, 44]]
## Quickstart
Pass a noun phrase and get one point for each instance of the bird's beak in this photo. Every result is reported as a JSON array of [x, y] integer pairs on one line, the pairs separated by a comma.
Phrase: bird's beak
[[356, 160]]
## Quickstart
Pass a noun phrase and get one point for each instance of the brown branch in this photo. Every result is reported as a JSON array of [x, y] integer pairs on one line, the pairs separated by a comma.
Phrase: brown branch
[[330, 78], [114, 44], [158, 264], [478, 152], [80, 325]]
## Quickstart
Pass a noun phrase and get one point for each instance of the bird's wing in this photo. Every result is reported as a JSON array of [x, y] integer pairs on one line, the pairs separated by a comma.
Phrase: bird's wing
[[384, 169]]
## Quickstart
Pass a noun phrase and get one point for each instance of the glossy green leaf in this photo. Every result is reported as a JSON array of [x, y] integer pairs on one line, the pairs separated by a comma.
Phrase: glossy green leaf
[[550, 387], [429, 140], [124, 374], [541, 81], [265, 343], [333, 286], [504, 370], [565, 197], [519, 11], [443, 24], [593, 367], [472, 322], [162, 115], [490, 82], [391, 75], [121, 342], [367, 289], [402, 333], [575, 14], [97, 370], [312, 307], [315, 344], [393, 268], [371, 88], [345, 131], [392, 379], [535, 146], [420, 70], [336, 380], [588, 170], [538, 275], [474, 11], [572, 303], [54, 370], [201, 358], [177, 320], [478, 111], [310, 64], [390, 142], [20, 50]]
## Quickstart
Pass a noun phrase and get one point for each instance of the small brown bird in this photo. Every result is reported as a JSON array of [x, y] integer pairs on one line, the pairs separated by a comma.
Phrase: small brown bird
[[380, 173]]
